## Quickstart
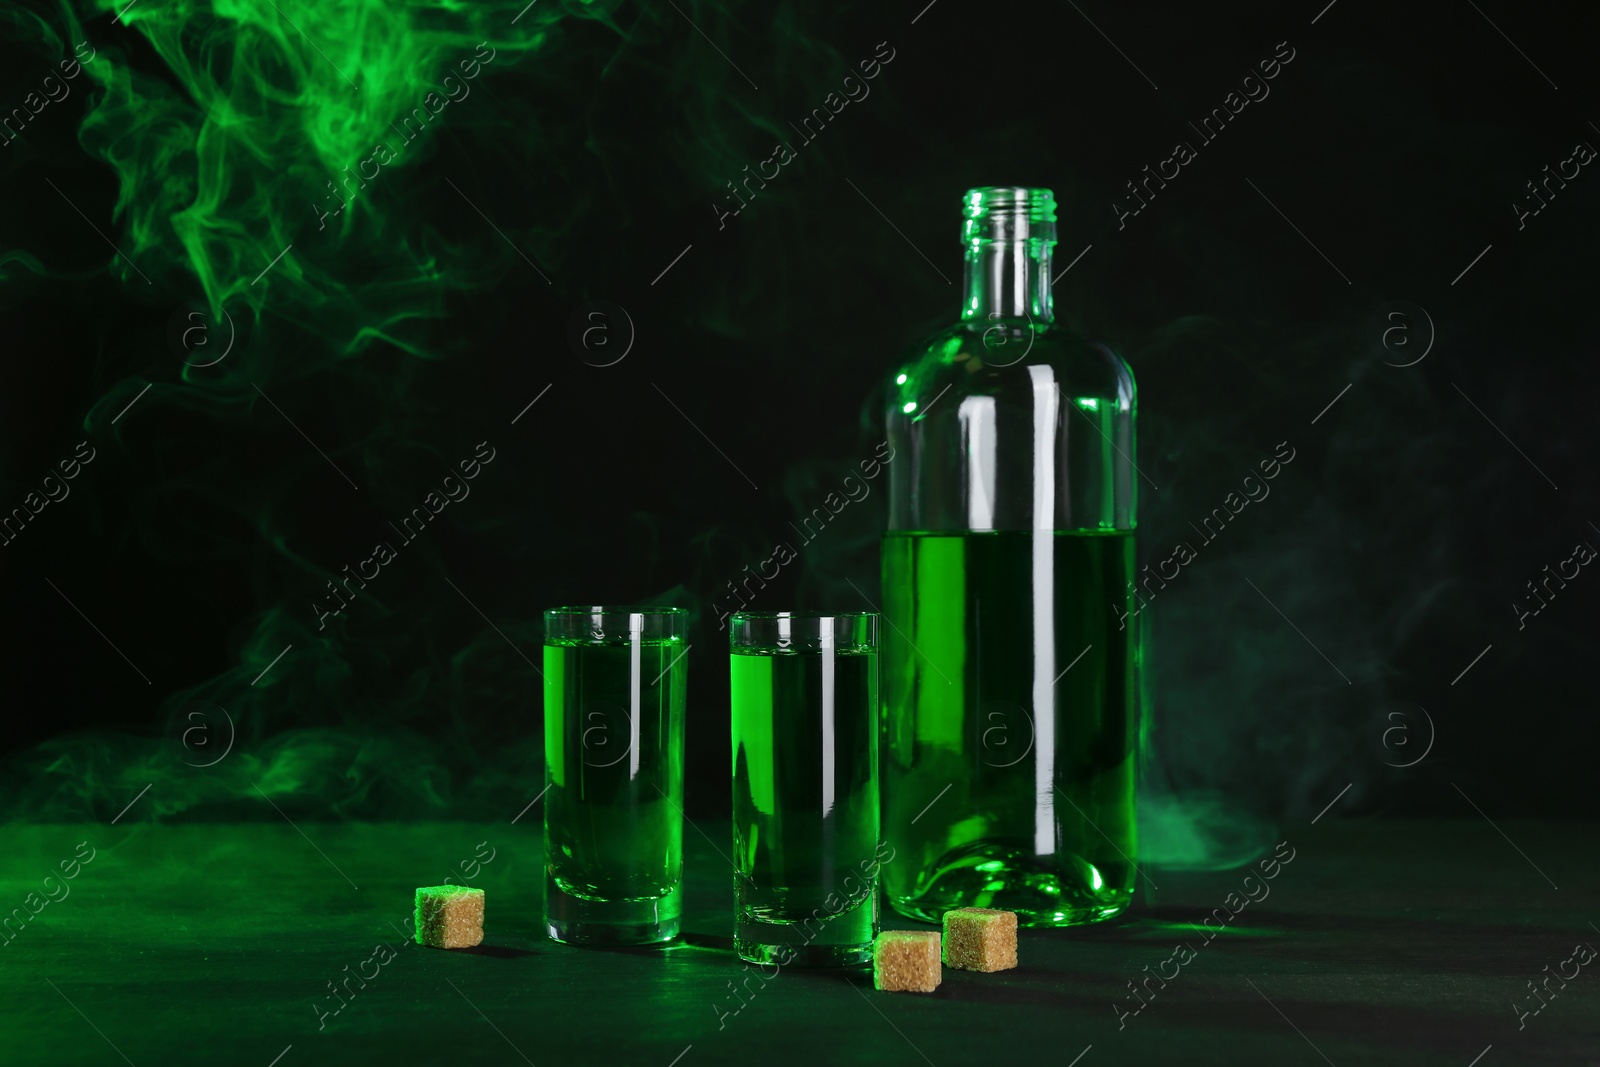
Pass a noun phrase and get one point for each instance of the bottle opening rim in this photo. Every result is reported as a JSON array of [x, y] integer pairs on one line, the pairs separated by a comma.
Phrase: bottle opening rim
[[1014, 201]]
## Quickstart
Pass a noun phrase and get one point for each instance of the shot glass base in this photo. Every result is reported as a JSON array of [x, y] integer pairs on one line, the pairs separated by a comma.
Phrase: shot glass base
[[784, 944], [809, 956], [576, 921]]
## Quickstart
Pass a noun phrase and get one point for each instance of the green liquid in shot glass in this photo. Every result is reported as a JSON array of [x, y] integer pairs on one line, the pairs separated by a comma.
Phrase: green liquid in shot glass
[[805, 805], [614, 734]]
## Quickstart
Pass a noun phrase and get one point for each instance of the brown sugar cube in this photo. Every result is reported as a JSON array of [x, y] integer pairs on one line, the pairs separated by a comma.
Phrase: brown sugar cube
[[980, 939], [449, 916], [906, 961]]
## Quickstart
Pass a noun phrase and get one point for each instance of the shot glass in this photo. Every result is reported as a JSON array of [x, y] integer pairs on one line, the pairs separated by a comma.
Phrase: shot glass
[[615, 679], [805, 787]]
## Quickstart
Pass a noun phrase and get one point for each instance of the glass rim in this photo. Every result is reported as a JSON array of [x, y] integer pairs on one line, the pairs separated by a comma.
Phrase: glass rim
[[803, 630], [803, 615], [612, 609]]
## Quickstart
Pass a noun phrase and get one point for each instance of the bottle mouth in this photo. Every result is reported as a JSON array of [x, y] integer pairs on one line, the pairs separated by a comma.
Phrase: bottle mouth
[[1008, 213]]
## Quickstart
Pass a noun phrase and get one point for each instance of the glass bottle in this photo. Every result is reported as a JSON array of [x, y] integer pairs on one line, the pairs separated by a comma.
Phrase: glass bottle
[[1011, 657]]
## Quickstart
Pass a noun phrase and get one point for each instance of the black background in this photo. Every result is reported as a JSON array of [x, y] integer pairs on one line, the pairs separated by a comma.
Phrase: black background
[[1396, 141]]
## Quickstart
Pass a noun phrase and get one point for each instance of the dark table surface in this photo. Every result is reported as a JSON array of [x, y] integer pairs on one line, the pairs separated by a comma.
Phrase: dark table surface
[[1380, 943]]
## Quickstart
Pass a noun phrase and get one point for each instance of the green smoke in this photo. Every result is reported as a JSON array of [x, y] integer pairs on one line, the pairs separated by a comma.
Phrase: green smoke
[[345, 220], [222, 155]]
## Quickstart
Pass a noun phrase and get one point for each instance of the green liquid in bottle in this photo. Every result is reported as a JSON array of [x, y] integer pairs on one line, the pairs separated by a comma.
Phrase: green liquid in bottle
[[614, 728], [1009, 718], [805, 805]]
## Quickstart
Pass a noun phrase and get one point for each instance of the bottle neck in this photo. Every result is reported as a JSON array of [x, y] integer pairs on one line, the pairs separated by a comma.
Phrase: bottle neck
[[1007, 280]]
